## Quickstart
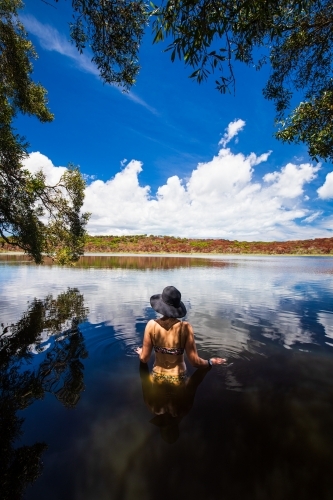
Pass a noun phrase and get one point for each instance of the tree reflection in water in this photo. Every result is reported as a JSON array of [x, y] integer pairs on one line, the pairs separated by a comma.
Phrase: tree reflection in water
[[170, 402], [60, 373]]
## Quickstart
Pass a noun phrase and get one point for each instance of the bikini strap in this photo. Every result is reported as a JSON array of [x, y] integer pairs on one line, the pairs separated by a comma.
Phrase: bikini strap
[[181, 331]]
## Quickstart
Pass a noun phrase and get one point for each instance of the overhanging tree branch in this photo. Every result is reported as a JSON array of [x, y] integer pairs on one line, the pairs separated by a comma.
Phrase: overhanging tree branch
[[24, 197]]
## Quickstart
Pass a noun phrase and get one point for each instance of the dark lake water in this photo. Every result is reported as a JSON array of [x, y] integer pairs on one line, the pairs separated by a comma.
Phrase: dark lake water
[[76, 422]]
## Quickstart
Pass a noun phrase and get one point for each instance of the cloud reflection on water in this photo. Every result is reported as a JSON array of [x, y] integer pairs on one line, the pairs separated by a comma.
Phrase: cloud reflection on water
[[285, 300], [260, 426]]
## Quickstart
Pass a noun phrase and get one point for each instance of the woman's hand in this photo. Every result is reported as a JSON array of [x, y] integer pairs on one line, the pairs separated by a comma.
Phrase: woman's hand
[[218, 361], [138, 350]]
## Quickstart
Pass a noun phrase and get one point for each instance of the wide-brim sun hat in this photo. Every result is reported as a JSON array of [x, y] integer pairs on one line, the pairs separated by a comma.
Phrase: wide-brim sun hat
[[168, 303]]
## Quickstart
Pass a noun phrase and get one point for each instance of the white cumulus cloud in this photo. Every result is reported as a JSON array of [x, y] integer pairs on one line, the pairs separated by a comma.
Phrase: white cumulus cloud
[[289, 182], [37, 161], [231, 131], [326, 190], [220, 198]]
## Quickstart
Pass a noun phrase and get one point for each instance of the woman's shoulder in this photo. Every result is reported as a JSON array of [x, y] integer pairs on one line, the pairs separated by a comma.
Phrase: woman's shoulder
[[150, 323], [186, 326]]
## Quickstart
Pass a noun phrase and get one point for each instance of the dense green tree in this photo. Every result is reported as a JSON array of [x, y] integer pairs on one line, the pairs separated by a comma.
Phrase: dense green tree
[[33, 215]]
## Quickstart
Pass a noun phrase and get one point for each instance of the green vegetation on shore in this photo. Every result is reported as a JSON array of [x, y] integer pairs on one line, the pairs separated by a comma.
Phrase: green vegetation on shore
[[171, 244]]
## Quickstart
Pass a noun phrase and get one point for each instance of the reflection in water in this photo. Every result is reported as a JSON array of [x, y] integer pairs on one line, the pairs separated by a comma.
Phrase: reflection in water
[[125, 261], [147, 262], [260, 428], [42, 320], [60, 373], [169, 402], [277, 432], [272, 440]]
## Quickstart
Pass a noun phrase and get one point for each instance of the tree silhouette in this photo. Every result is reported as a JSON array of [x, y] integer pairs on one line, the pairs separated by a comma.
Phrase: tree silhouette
[[60, 373]]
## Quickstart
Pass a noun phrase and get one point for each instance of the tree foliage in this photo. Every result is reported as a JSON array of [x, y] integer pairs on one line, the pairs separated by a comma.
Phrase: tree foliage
[[33, 215], [113, 30], [297, 40], [294, 36]]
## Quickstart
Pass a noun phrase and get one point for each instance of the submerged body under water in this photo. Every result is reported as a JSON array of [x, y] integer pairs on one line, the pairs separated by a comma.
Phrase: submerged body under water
[[81, 420]]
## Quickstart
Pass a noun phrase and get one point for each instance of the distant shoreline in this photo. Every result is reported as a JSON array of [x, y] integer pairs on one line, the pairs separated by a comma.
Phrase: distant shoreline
[[165, 245], [199, 255], [170, 245]]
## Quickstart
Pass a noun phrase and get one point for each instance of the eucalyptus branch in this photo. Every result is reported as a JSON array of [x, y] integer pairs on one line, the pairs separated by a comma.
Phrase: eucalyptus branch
[[229, 62], [51, 5]]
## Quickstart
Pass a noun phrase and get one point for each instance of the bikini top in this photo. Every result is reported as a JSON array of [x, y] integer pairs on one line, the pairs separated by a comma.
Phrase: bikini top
[[175, 351]]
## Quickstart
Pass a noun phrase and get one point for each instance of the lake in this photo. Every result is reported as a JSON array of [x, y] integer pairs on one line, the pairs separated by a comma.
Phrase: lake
[[77, 421]]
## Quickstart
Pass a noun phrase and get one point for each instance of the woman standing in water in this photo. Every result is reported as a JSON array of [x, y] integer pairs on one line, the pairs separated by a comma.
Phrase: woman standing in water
[[170, 338]]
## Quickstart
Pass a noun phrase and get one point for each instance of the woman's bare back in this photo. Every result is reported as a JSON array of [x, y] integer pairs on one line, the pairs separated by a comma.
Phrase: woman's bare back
[[168, 337]]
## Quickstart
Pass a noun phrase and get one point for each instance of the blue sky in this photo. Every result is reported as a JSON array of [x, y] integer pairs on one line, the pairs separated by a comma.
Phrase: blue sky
[[156, 160]]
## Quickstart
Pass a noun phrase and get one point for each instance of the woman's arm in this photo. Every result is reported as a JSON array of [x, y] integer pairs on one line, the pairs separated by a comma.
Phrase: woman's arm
[[144, 352], [192, 353]]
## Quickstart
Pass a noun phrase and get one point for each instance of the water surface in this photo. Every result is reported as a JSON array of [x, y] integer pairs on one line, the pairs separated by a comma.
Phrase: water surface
[[75, 420]]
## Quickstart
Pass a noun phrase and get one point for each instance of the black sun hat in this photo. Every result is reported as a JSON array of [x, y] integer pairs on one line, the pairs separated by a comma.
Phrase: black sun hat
[[168, 303]]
